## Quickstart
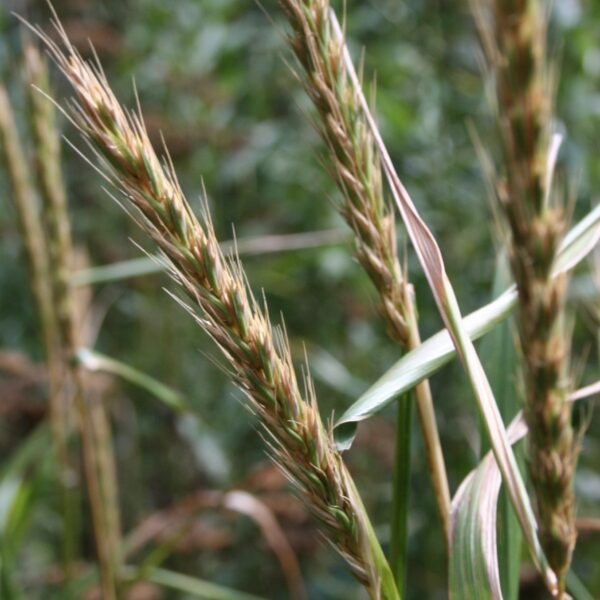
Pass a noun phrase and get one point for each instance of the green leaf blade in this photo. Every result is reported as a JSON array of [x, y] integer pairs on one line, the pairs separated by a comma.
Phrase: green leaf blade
[[438, 350]]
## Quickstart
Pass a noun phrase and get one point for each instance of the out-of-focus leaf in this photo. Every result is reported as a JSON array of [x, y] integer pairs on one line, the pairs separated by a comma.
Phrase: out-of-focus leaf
[[95, 361], [577, 588], [174, 522], [17, 496], [28, 453], [126, 269], [205, 445], [187, 584], [269, 244], [329, 370], [438, 350], [578, 242], [585, 392]]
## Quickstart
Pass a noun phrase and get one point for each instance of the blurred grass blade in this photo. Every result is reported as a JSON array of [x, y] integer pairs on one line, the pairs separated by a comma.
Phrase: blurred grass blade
[[438, 350], [171, 524], [127, 269], [17, 496], [252, 507], [432, 263], [187, 584], [585, 392], [576, 587], [29, 452], [268, 244], [202, 440], [578, 242], [94, 361]]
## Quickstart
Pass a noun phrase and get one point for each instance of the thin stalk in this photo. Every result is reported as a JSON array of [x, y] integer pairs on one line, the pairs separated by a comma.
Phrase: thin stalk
[[34, 241], [108, 478], [96, 362], [268, 244], [93, 424], [499, 353], [401, 492], [434, 452], [30, 227], [401, 474], [185, 584]]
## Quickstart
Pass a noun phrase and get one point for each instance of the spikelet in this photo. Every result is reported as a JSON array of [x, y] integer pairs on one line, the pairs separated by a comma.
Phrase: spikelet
[[356, 165], [516, 50], [355, 160], [259, 356]]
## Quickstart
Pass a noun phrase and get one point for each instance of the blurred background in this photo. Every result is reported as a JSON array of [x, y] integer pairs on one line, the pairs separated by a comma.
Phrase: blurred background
[[213, 78]]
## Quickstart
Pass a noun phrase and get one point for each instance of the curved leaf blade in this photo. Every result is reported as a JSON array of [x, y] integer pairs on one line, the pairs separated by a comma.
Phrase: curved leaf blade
[[439, 349], [95, 361], [474, 572], [432, 263], [473, 558], [418, 365]]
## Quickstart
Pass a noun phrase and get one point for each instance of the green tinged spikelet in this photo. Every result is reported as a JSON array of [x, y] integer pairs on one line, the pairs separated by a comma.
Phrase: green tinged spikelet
[[356, 167], [516, 49], [259, 357], [355, 162]]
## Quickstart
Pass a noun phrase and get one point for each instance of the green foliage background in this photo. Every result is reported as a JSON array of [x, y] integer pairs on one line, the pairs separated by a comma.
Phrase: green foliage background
[[212, 76]]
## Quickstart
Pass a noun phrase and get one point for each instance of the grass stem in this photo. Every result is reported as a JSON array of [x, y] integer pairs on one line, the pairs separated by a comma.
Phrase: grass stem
[[35, 245], [401, 492], [93, 424]]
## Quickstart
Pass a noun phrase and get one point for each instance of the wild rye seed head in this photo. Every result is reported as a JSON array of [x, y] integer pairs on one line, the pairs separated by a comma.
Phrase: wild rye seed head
[[516, 50], [259, 357], [355, 158], [356, 166]]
